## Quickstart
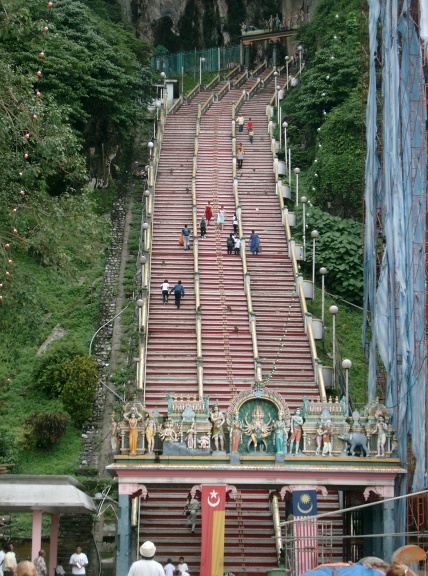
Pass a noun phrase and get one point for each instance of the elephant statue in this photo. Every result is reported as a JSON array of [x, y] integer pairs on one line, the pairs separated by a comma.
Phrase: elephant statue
[[354, 439]]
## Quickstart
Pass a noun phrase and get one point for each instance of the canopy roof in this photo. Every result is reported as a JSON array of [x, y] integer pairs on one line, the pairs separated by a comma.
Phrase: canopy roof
[[50, 494]]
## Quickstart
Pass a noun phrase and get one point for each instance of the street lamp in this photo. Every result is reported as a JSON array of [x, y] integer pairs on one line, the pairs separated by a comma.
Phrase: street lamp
[[300, 49], [346, 365], [333, 311], [163, 78], [150, 147], [323, 272], [297, 172], [278, 111], [287, 60], [303, 200], [201, 59], [314, 235], [285, 126]]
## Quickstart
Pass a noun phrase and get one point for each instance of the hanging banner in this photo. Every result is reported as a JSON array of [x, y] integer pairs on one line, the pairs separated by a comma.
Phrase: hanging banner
[[213, 502]]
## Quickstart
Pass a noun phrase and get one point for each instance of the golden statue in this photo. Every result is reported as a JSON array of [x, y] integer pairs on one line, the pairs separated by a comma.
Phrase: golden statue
[[133, 417]]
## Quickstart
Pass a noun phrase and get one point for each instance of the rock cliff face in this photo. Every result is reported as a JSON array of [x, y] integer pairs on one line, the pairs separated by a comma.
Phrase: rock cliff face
[[186, 24]]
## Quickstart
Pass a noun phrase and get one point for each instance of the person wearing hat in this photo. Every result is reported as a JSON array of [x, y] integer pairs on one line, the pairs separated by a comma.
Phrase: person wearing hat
[[147, 566]]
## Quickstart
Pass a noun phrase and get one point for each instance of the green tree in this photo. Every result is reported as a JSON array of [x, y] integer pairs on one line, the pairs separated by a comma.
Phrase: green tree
[[81, 375], [50, 369]]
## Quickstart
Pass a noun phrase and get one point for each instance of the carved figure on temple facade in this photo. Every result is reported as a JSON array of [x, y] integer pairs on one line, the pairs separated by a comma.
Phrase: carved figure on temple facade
[[318, 438], [133, 417], [114, 431], [167, 431], [257, 429], [380, 428], [296, 430], [204, 442], [150, 432], [236, 433], [280, 434], [327, 439], [191, 437], [217, 418]]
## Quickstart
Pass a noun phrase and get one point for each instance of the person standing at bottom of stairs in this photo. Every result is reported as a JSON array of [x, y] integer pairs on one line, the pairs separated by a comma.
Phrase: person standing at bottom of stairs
[[178, 292], [147, 566]]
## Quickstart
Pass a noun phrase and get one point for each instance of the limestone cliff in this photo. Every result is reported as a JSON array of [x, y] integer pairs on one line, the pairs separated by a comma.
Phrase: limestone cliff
[[187, 24]]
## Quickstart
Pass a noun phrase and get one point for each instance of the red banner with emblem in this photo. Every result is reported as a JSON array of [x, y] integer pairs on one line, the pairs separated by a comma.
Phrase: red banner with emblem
[[213, 502]]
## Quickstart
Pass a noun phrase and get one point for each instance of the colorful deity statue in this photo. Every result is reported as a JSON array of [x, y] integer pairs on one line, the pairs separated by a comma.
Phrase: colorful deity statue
[[257, 429]]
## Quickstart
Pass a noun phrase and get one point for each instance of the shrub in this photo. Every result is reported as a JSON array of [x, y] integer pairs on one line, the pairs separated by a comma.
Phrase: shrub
[[8, 449], [50, 375], [43, 430], [81, 375]]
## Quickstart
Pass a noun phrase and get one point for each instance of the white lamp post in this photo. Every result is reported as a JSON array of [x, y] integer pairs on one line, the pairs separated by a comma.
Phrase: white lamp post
[[303, 200], [278, 119], [297, 172], [333, 311], [150, 147], [285, 126], [314, 235], [300, 49], [323, 272], [163, 78], [287, 60], [346, 365], [201, 59]]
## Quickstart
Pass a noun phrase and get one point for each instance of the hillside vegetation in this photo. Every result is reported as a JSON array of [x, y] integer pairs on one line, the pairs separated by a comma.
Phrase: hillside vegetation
[[74, 87]]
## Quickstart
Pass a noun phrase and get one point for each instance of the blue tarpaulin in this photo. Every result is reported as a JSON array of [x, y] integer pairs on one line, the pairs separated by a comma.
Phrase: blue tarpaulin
[[357, 569]]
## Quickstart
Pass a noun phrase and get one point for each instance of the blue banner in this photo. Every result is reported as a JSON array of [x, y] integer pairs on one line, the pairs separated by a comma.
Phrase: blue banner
[[305, 503]]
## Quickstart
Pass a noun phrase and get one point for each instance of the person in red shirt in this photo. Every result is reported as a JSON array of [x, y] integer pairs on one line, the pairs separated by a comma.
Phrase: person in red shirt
[[208, 213], [249, 124]]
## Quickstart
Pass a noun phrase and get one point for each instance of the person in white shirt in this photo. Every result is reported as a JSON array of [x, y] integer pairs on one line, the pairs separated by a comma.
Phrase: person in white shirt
[[9, 562], [165, 291], [182, 566], [59, 570], [169, 568], [2, 555], [78, 561], [237, 245], [147, 566]]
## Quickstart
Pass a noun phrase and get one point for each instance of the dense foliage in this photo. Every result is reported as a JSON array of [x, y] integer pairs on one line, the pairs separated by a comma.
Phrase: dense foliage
[[339, 248], [74, 85], [325, 111]]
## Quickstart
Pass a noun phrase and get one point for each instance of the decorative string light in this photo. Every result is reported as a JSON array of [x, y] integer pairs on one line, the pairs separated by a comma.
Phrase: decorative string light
[[26, 135], [281, 341]]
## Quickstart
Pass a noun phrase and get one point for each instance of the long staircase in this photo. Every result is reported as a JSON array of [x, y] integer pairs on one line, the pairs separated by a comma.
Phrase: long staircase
[[283, 345], [171, 346], [227, 353]]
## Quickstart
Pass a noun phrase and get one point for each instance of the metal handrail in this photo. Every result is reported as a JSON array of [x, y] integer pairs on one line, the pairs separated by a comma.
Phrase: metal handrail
[[241, 79], [213, 82], [254, 88], [260, 68], [223, 90], [176, 105], [232, 73], [189, 97], [204, 107]]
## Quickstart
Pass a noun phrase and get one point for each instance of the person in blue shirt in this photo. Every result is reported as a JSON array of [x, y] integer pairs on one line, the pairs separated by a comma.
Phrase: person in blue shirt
[[178, 291], [186, 237]]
